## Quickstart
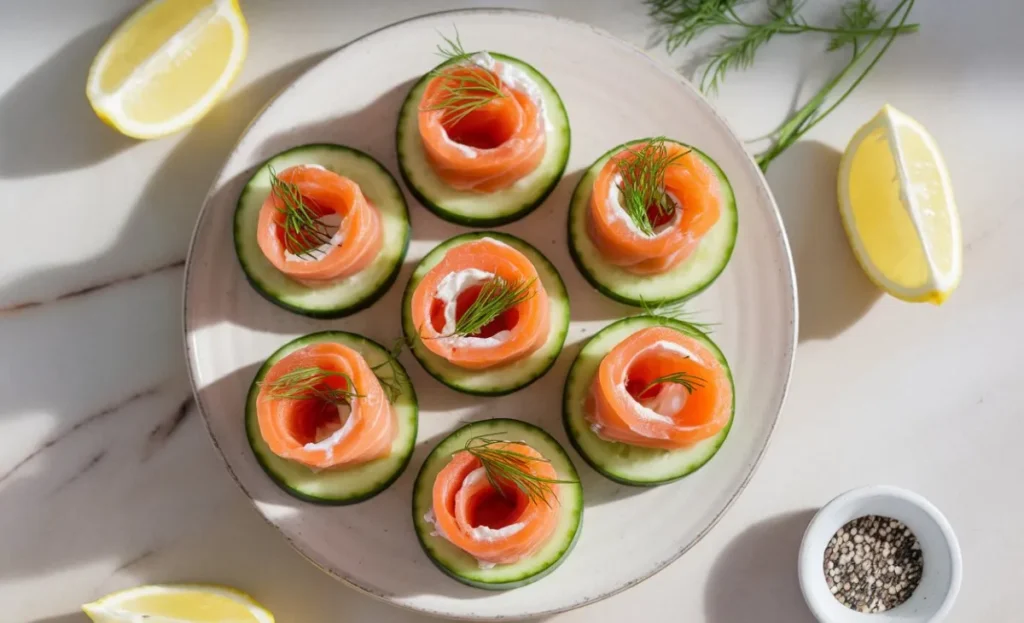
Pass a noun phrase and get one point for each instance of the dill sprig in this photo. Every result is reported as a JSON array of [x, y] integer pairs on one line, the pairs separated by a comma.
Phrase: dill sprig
[[856, 18], [505, 467], [815, 109], [684, 20], [303, 229], [689, 381], [392, 382], [738, 51], [462, 92], [857, 29], [643, 182], [495, 298], [310, 383], [451, 49], [676, 311]]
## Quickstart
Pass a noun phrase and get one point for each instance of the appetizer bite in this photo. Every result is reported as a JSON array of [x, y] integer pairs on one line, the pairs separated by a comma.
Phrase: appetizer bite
[[497, 504], [648, 400], [482, 138], [653, 220], [485, 313], [332, 418], [321, 230]]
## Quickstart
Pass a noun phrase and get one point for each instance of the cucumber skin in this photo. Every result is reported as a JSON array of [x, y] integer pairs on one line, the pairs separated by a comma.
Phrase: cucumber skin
[[341, 313], [458, 219], [486, 393], [327, 314], [492, 586], [635, 483], [325, 501], [581, 267], [724, 434], [507, 585], [281, 482]]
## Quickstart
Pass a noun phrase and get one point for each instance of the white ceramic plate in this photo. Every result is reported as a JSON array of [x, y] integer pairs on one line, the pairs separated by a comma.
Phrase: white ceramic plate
[[613, 93]]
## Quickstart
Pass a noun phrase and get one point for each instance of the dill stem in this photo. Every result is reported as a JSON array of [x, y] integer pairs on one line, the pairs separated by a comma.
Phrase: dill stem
[[805, 119]]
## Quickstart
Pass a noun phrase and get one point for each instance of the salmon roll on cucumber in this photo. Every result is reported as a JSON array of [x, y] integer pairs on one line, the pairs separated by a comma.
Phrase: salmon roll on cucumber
[[332, 418], [652, 221], [321, 230], [497, 504], [648, 400], [485, 313], [483, 138]]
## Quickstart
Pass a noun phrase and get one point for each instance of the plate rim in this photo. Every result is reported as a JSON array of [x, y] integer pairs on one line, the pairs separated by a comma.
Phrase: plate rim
[[791, 304]]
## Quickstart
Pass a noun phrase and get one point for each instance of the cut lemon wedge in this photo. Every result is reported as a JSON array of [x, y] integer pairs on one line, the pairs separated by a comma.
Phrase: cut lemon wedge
[[178, 603], [167, 65], [897, 205]]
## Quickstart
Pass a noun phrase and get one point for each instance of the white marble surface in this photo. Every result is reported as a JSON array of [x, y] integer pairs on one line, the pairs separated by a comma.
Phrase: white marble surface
[[107, 478]]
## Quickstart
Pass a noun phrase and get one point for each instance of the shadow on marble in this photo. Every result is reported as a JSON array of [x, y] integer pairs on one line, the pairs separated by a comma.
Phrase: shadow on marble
[[47, 123], [834, 292], [755, 577], [167, 207]]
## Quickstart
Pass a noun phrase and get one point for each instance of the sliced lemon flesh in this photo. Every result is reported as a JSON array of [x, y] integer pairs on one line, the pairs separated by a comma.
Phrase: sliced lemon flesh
[[167, 65], [896, 200], [178, 603]]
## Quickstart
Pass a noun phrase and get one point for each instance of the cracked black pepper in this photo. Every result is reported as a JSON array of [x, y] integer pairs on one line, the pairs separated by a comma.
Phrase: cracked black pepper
[[873, 564]]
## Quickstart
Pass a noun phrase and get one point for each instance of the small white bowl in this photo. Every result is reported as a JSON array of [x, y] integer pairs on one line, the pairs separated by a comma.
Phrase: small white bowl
[[942, 563]]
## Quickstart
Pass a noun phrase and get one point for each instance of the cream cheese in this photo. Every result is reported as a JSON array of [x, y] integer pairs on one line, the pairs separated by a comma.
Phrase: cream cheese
[[448, 291], [615, 211], [348, 415], [514, 78], [661, 407], [483, 534], [467, 151], [487, 534]]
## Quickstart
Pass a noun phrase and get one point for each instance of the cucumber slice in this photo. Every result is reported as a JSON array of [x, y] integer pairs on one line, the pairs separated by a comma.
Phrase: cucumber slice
[[337, 486], [632, 465], [483, 209], [499, 380], [348, 295], [465, 568], [688, 278]]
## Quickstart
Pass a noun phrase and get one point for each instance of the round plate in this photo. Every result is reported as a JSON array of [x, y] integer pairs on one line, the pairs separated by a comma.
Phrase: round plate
[[230, 329]]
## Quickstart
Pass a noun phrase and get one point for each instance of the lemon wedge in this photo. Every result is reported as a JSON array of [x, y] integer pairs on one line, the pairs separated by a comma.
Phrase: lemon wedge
[[178, 603], [897, 205], [167, 65]]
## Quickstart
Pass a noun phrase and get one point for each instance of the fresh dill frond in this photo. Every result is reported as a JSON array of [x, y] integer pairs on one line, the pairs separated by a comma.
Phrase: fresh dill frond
[[451, 49], [505, 467], [676, 311], [738, 51], [856, 16], [463, 91], [392, 381], [857, 28], [643, 182], [310, 383], [689, 381], [815, 109], [684, 20], [303, 230], [495, 298]]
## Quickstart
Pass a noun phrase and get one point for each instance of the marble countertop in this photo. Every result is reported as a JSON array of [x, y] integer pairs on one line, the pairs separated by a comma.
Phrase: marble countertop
[[107, 478]]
